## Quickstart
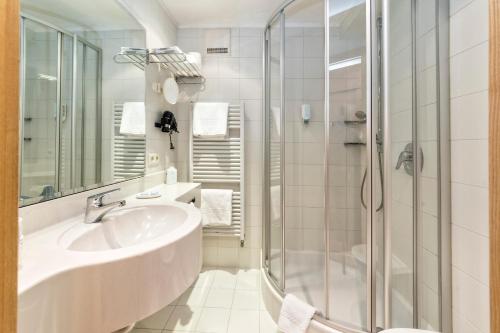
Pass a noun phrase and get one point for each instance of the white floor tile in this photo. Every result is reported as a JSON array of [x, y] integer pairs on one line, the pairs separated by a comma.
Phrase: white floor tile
[[248, 279], [205, 279], [157, 320], [193, 297], [244, 321], [246, 300], [225, 278], [267, 324], [220, 298], [213, 320], [184, 318]]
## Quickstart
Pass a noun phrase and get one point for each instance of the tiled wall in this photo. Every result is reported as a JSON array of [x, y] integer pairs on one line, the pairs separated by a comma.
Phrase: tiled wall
[[234, 78], [126, 83], [304, 143], [469, 164], [120, 83]]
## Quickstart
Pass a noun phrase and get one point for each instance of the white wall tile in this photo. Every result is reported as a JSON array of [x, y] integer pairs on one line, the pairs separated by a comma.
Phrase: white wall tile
[[462, 37], [469, 164], [469, 71]]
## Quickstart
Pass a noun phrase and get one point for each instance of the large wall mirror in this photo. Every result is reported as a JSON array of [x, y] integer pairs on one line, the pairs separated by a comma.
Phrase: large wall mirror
[[73, 95]]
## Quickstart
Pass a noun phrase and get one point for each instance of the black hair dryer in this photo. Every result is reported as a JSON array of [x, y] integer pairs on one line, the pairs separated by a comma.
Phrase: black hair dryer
[[168, 124]]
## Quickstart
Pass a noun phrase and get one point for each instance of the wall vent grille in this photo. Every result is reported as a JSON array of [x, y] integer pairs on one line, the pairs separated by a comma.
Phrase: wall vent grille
[[214, 50]]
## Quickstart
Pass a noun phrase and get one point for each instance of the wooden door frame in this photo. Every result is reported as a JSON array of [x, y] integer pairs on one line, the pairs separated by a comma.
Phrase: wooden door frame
[[494, 162], [9, 140]]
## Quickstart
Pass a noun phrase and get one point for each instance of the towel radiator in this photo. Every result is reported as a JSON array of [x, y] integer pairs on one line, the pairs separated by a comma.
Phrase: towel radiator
[[220, 164], [129, 152]]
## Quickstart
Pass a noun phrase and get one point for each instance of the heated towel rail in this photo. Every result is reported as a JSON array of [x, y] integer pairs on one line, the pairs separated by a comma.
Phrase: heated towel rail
[[220, 164], [129, 152]]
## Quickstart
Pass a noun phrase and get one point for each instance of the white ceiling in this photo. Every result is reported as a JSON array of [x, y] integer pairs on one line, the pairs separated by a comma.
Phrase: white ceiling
[[81, 14], [221, 13]]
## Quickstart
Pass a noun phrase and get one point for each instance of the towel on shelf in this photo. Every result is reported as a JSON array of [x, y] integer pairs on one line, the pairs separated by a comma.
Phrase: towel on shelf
[[216, 207], [210, 120], [133, 119], [295, 315], [194, 58]]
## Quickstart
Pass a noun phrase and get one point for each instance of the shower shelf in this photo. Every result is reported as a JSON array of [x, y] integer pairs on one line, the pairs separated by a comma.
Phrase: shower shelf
[[171, 59], [354, 122], [354, 144]]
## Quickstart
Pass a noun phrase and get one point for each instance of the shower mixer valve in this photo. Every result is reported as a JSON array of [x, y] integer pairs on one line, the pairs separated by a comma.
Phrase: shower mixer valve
[[406, 160]]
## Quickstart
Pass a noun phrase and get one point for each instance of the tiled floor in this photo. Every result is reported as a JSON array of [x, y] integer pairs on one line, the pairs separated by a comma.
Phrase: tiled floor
[[222, 300]]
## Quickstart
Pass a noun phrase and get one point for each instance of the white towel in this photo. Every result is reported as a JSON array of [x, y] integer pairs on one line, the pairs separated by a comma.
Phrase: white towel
[[194, 58], [133, 119], [295, 315], [210, 120], [216, 207]]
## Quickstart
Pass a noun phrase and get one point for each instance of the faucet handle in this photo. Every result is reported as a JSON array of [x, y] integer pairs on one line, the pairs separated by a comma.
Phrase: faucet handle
[[96, 199]]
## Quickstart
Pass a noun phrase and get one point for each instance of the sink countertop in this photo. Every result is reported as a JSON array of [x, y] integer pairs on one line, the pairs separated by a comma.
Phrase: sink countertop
[[42, 256]]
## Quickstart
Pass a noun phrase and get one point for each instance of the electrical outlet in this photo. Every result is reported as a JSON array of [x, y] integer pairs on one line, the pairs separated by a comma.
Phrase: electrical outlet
[[153, 159]]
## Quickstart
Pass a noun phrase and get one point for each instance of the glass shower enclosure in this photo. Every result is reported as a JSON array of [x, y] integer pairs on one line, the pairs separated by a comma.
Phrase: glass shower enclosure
[[60, 111], [355, 222]]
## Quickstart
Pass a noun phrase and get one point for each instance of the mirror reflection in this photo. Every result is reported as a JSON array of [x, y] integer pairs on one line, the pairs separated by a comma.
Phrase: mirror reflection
[[73, 95]]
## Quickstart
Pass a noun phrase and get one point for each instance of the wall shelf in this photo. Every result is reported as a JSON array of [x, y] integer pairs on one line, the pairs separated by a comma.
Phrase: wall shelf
[[182, 65]]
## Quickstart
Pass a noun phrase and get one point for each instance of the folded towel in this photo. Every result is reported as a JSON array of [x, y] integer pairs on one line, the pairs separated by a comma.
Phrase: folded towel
[[216, 207], [194, 58], [133, 119], [210, 120], [295, 315]]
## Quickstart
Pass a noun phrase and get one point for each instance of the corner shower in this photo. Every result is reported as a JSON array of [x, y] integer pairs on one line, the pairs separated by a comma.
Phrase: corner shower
[[355, 223]]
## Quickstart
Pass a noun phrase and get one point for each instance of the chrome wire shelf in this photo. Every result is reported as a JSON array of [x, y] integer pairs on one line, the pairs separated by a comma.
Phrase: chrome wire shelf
[[171, 59]]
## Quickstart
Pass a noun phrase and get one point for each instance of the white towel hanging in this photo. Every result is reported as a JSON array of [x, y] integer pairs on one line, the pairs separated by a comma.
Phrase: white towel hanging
[[210, 120], [216, 206], [133, 120]]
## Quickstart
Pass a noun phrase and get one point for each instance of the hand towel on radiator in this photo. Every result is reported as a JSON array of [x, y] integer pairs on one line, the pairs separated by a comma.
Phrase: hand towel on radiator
[[133, 119], [216, 207], [295, 315], [210, 120]]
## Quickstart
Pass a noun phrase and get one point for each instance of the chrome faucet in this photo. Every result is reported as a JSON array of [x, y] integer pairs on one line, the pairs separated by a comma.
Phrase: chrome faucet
[[96, 209]]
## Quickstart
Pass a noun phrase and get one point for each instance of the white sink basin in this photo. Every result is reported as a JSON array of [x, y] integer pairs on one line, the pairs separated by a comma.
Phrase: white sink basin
[[138, 260], [124, 227]]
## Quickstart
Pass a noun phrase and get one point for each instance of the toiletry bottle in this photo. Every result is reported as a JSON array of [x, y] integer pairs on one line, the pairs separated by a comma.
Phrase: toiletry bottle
[[171, 176]]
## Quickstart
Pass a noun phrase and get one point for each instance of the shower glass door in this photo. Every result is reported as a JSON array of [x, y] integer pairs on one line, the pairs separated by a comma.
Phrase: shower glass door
[[65, 119], [304, 107], [350, 181], [39, 178], [274, 152], [414, 168]]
